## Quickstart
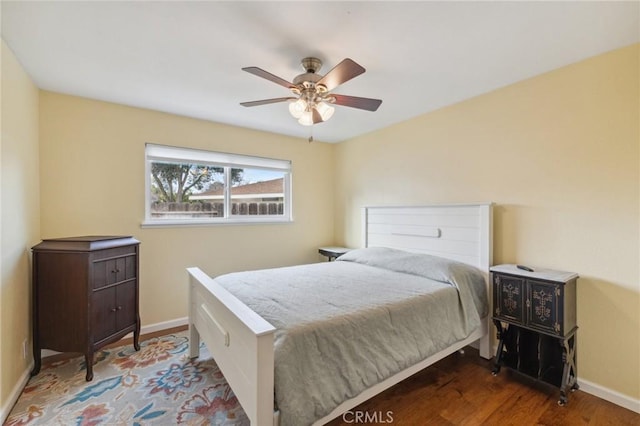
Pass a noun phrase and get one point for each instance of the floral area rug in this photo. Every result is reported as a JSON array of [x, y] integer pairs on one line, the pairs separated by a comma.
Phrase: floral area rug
[[158, 385]]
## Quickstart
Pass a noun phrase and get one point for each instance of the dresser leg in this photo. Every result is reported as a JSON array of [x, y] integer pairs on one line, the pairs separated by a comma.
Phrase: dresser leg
[[88, 360], [136, 336], [37, 359]]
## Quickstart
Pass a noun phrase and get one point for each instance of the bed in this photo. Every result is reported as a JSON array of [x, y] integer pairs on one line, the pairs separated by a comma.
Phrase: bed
[[260, 353]]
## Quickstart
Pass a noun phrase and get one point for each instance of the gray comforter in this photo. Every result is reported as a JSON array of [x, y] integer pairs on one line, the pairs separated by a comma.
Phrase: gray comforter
[[344, 326]]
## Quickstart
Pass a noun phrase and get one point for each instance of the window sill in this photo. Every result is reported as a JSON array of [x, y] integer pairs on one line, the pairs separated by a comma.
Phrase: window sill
[[218, 222]]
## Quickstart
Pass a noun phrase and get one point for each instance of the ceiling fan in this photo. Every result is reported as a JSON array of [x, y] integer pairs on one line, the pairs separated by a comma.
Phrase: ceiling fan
[[313, 99]]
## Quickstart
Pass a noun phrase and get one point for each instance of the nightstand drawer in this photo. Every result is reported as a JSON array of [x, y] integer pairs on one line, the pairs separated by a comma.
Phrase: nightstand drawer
[[508, 302], [545, 306]]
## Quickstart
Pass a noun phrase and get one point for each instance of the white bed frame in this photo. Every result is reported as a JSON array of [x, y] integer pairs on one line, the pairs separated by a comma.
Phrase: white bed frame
[[241, 342]]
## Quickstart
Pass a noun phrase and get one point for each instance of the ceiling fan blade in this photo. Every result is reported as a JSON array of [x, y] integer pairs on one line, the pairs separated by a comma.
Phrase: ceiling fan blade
[[356, 102], [266, 101], [267, 75], [341, 73]]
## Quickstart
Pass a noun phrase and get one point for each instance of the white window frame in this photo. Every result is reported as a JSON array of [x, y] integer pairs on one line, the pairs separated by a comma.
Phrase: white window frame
[[154, 152]]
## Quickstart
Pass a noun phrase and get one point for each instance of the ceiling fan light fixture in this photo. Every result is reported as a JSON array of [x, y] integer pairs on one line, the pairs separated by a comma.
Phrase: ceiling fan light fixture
[[297, 108], [306, 119], [304, 112], [326, 111]]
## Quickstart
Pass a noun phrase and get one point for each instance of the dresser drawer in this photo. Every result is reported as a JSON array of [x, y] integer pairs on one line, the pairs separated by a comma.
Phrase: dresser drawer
[[113, 309], [113, 252], [118, 266]]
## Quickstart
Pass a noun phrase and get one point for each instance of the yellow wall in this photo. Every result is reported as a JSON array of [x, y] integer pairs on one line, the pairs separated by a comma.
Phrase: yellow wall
[[20, 214], [92, 183], [559, 154]]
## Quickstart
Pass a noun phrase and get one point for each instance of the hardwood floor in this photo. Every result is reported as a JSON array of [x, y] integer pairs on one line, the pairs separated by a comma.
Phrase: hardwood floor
[[460, 390]]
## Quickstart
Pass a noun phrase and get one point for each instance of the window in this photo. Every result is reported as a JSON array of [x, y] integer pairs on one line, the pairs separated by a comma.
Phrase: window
[[188, 187]]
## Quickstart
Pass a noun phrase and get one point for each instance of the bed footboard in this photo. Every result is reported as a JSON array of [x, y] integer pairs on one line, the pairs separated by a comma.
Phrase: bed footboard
[[239, 340]]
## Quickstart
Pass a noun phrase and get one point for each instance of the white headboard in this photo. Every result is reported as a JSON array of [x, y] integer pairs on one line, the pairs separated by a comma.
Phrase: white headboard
[[461, 232]]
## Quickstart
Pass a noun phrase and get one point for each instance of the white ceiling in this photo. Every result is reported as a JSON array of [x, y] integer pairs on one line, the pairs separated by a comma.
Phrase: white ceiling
[[186, 57]]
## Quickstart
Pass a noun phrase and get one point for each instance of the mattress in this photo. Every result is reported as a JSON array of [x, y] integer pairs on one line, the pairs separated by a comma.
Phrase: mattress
[[344, 326]]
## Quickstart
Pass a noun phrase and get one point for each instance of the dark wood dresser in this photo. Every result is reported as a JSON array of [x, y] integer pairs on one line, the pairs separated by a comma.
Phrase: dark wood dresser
[[535, 316], [85, 295]]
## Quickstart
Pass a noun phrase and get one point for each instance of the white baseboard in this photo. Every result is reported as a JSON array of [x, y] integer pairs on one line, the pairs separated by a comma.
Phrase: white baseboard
[[165, 325], [15, 393], [612, 396]]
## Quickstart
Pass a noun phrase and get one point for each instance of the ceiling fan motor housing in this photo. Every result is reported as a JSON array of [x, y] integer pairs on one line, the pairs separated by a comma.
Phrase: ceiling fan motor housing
[[311, 65], [307, 82]]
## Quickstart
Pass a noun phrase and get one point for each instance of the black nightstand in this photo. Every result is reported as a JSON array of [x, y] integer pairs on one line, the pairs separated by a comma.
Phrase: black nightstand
[[535, 315], [333, 252]]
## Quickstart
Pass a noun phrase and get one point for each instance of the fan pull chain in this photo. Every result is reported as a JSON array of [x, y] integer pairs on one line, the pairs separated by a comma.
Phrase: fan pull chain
[[310, 134]]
